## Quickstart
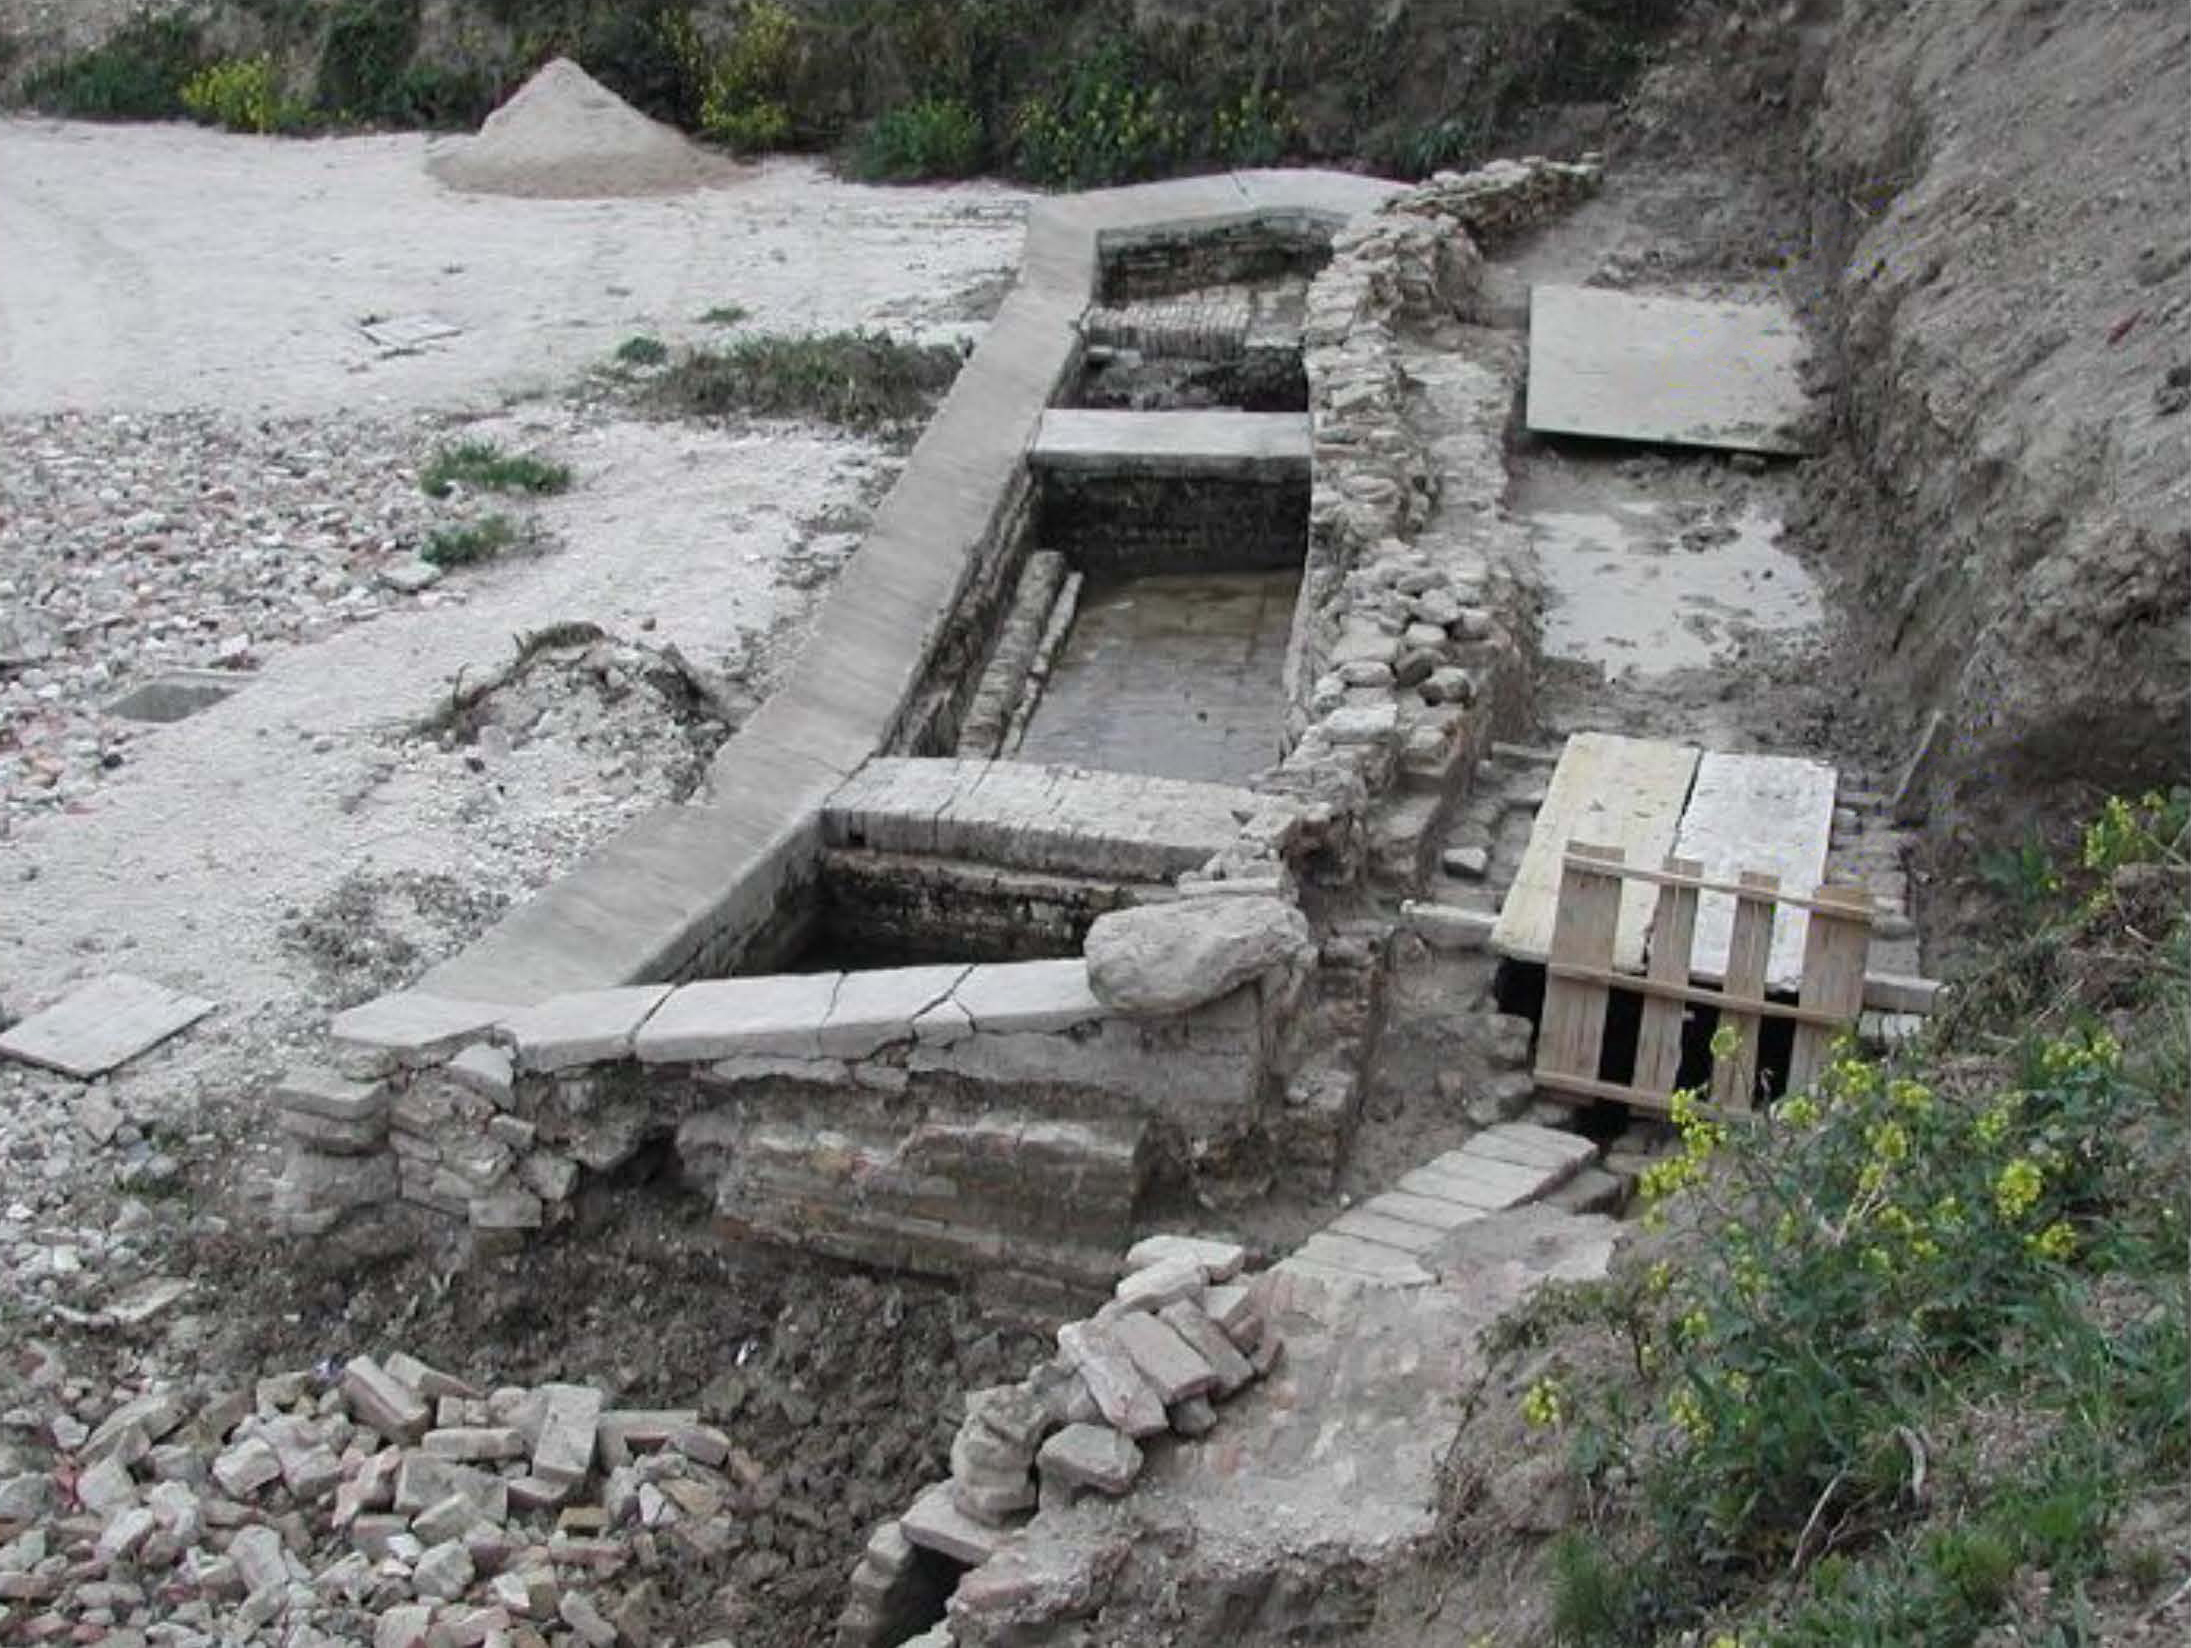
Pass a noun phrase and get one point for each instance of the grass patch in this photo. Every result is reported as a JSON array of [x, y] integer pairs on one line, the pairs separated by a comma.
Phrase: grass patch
[[931, 137], [364, 56], [469, 544], [725, 314], [865, 381], [1911, 1341], [486, 467], [642, 351], [242, 95], [138, 73]]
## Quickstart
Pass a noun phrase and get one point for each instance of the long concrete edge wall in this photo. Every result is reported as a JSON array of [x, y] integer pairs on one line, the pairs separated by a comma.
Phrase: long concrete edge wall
[[685, 884]]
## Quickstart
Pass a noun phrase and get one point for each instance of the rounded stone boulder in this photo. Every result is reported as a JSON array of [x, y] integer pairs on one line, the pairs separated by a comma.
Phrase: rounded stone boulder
[[1168, 958]]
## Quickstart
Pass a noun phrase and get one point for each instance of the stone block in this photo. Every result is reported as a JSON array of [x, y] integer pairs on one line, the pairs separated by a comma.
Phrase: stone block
[[472, 1443], [1126, 1400], [935, 1523], [324, 1093], [411, 1029], [780, 1016], [1014, 1412], [377, 1398], [568, 1426], [584, 1027], [484, 1069], [1155, 1286], [1093, 1457], [1210, 1342], [1171, 1366], [1168, 958], [1219, 1261], [874, 1009], [423, 1481], [1028, 997]]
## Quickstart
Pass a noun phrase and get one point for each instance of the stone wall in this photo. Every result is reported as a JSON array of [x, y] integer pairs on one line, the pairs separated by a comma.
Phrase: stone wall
[[999, 1123], [1136, 526]]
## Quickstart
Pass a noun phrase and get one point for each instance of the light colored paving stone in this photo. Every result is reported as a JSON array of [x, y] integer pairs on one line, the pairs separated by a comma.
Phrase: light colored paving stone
[[1080, 441], [1363, 1258], [1028, 996], [874, 1009], [1477, 1181], [1434, 1213], [1363, 1224], [1532, 1146], [413, 1027], [106, 1023], [586, 1027], [780, 1016]]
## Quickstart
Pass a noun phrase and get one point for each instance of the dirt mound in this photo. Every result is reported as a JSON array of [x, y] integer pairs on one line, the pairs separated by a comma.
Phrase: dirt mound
[[565, 136]]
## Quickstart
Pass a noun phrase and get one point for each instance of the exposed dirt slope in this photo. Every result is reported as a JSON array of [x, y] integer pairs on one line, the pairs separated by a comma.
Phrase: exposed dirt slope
[[2002, 194]]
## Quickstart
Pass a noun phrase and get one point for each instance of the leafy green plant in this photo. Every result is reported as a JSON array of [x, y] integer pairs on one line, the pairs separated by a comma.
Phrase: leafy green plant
[[471, 543], [367, 49], [1099, 127], [138, 73], [2025, 874], [725, 314], [485, 467], [242, 94], [745, 105], [866, 381], [1254, 129], [642, 351], [929, 138], [1590, 1603]]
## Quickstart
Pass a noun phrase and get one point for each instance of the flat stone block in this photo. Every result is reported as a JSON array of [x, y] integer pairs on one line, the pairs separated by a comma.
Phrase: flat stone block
[[781, 1015], [1124, 1397], [874, 1009], [412, 1028], [1028, 996], [106, 1023], [1532, 1146], [1090, 1456], [335, 1098], [379, 1399], [1436, 1214], [1165, 1359], [935, 1523], [1362, 1225], [1157, 1285], [1219, 1261], [585, 1027], [1481, 1181], [568, 1424], [1210, 1342], [1382, 1264]]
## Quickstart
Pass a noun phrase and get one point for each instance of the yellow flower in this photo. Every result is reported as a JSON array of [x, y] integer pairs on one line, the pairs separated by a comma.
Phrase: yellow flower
[[1912, 1096], [1659, 1278], [2057, 1242], [1726, 1042], [1947, 1213], [1688, 1413], [1888, 1142], [1541, 1409], [1692, 1324], [2018, 1188], [1877, 1260], [1993, 1124], [1799, 1112], [1738, 1385]]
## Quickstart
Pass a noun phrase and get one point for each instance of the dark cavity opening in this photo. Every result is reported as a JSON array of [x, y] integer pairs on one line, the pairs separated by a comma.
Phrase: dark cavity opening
[[176, 695], [916, 1598]]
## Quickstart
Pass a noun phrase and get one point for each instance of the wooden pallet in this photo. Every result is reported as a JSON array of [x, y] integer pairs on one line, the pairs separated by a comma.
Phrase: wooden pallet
[[1580, 978]]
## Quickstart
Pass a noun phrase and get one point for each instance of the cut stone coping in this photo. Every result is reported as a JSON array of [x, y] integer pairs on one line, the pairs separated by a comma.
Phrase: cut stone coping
[[1220, 445], [1024, 816], [691, 882]]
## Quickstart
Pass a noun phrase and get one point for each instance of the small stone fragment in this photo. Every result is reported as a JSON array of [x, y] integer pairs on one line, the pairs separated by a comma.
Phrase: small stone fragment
[[1090, 1456]]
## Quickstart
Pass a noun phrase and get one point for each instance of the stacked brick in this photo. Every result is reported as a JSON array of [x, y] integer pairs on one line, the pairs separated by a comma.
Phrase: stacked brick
[[1179, 1337]]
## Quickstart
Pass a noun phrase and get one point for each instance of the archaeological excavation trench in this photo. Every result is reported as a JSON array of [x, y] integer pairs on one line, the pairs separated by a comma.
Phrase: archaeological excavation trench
[[1266, 746]]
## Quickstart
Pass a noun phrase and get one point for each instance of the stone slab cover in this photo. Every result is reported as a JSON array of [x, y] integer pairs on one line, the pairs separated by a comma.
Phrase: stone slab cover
[[106, 1023], [1768, 813], [1673, 371]]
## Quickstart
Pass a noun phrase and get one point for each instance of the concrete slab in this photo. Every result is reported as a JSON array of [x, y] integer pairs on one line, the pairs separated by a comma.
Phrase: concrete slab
[[1093, 442], [586, 1027], [1435, 1213], [1028, 996], [106, 1023], [413, 1027], [1535, 1146], [1607, 791], [1368, 1224], [1768, 813], [778, 1016], [874, 1009], [1672, 371]]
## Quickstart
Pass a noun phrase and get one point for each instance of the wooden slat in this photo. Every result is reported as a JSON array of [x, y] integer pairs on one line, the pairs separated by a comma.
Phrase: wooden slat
[[1573, 1033], [1658, 1044], [1620, 792], [1833, 985], [1749, 952], [1769, 815], [1827, 899], [1589, 1087], [1703, 995]]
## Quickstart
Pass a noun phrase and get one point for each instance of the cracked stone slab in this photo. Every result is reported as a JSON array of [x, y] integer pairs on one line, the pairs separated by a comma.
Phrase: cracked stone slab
[[103, 1025], [874, 1009], [584, 1027], [1028, 996], [780, 1016], [413, 1027]]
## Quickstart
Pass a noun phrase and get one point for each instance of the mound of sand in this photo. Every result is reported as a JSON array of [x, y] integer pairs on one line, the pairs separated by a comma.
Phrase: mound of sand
[[567, 136]]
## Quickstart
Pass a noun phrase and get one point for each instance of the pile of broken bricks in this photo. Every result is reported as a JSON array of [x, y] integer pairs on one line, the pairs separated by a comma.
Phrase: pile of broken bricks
[[1181, 1334], [384, 1503]]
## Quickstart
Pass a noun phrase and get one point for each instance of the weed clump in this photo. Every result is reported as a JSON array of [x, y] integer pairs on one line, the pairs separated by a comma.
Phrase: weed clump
[[470, 544], [242, 95], [138, 73], [933, 137], [864, 381], [642, 351], [364, 57], [486, 467], [725, 314]]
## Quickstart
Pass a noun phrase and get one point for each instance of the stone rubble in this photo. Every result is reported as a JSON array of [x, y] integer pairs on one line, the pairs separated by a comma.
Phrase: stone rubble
[[381, 1503], [1177, 1337]]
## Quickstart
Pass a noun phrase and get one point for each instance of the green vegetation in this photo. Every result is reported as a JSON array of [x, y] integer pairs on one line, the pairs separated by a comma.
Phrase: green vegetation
[[725, 314], [746, 101], [138, 74], [866, 381], [642, 351], [933, 137], [485, 467], [471, 543], [364, 57], [1916, 1340], [242, 94]]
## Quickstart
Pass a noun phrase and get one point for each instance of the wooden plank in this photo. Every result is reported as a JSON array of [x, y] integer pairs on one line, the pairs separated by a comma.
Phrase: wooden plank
[[1772, 814], [1702, 995], [1833, 985], [1572, 1035], [1676, 371], [1617, 792], [1673, 928], [1787, 901], [1749, 949]]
